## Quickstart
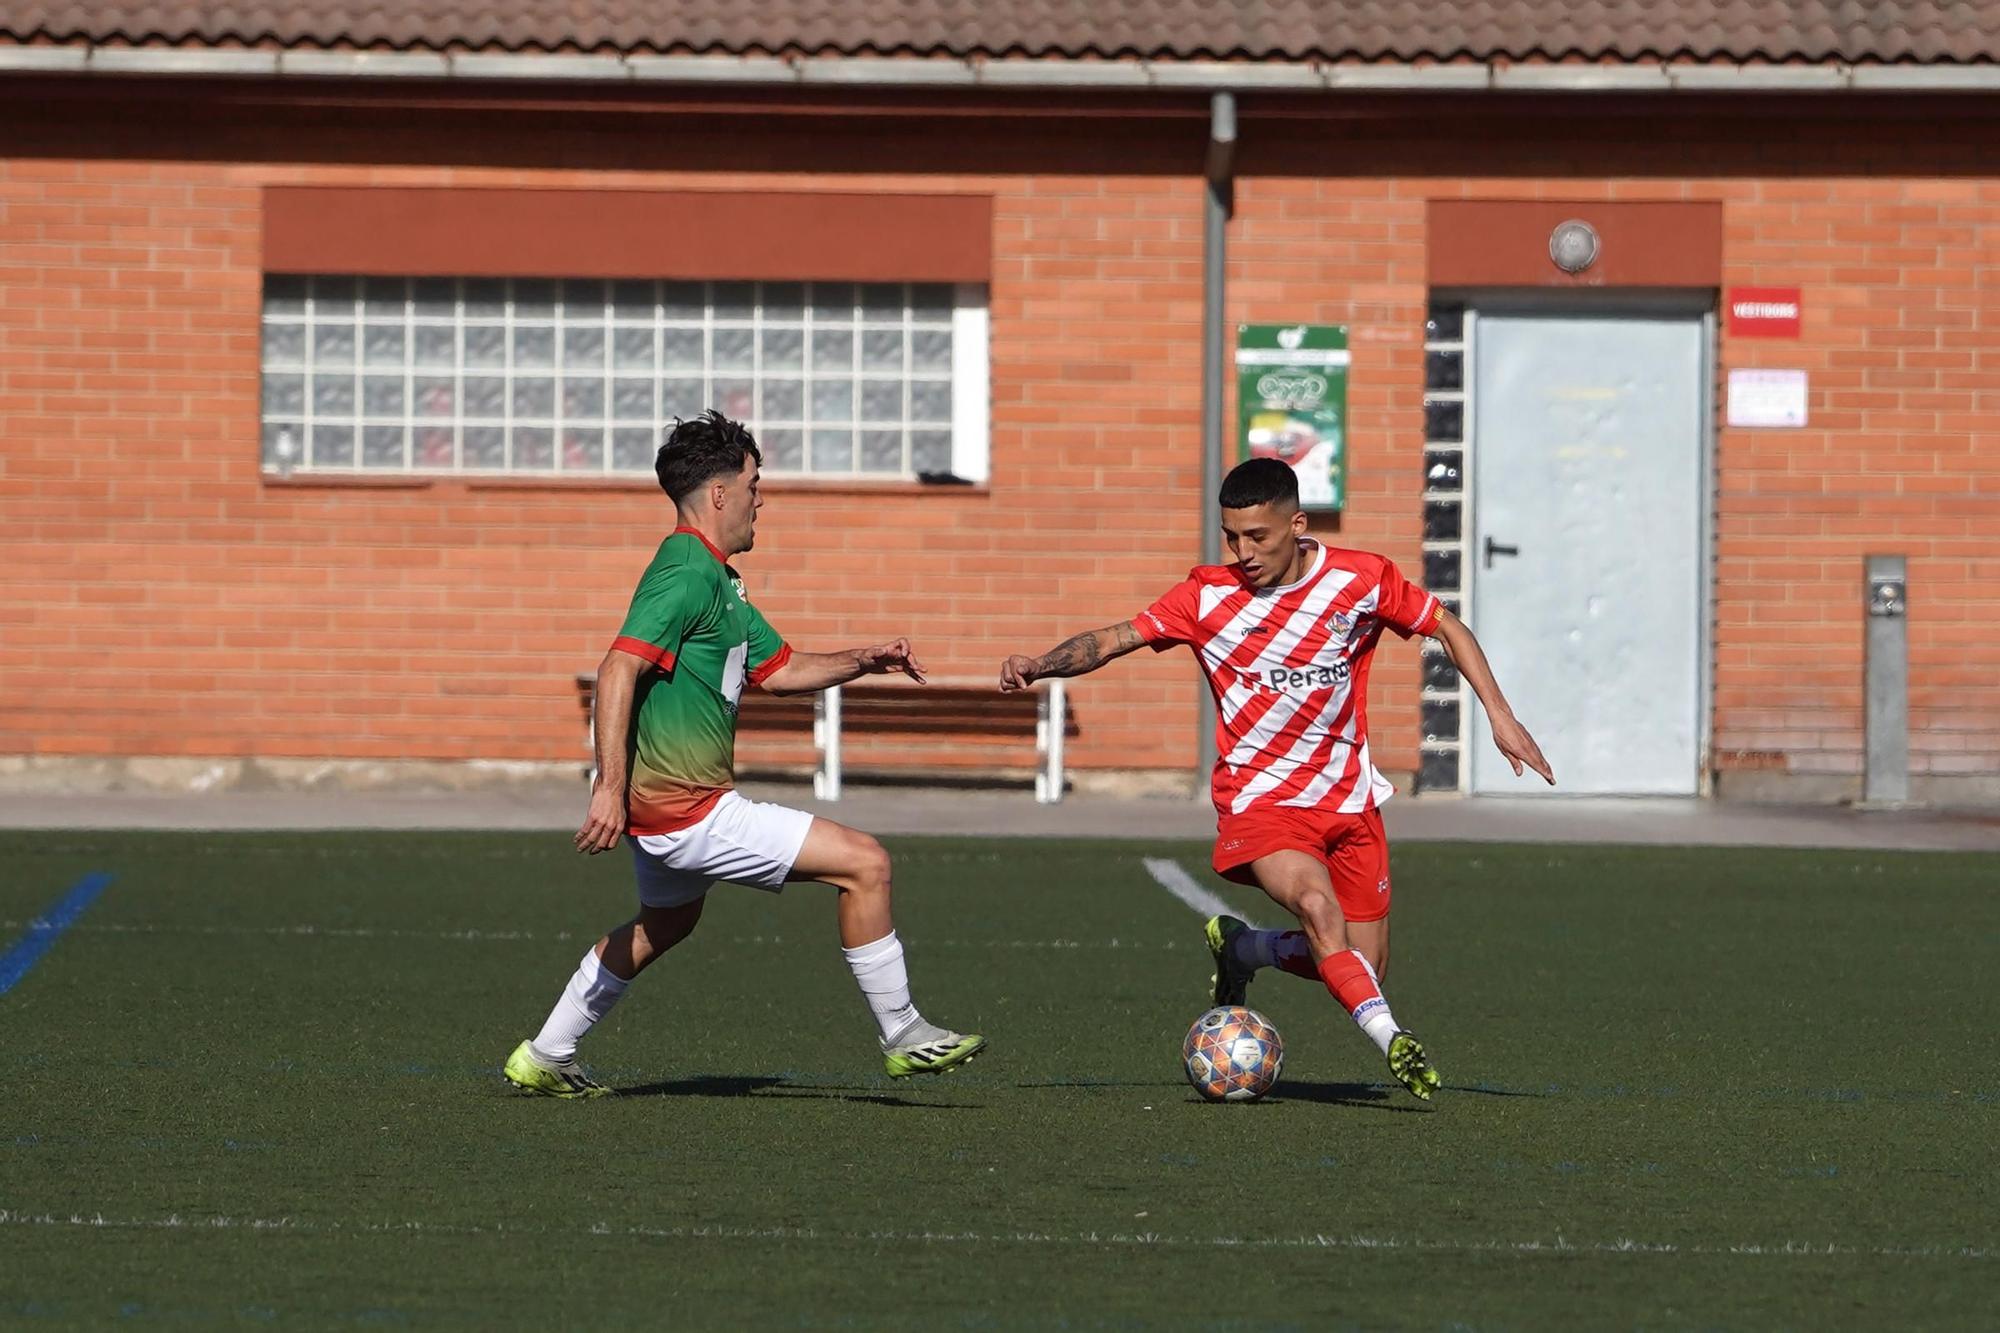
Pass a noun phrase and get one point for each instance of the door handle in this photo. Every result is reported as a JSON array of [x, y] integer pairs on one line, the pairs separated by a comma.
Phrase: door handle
[[1494, 548]]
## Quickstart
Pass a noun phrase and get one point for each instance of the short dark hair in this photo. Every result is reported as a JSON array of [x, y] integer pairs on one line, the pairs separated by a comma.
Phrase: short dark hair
[[1260, 481], [696, 452]]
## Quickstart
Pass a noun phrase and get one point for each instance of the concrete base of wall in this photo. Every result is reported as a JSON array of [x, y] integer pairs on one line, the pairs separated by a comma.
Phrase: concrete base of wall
[[1936, 791]]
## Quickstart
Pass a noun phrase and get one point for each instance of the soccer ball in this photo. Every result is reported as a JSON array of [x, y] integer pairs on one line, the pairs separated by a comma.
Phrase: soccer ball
[[1233, 1054]]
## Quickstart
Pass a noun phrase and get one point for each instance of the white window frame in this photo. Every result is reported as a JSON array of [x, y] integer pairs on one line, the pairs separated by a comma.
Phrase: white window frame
[[971, 393]]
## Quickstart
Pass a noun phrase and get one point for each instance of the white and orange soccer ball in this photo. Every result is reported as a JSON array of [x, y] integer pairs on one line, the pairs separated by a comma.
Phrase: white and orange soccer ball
[[1233, 1054]]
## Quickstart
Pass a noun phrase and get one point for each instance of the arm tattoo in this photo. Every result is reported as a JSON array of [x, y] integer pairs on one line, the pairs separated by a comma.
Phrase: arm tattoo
[[1072, 657], [1081, 653]]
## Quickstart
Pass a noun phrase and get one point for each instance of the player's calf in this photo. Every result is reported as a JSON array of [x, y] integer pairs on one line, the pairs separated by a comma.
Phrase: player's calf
[[858, 866], [1370, 939], [632, 947]]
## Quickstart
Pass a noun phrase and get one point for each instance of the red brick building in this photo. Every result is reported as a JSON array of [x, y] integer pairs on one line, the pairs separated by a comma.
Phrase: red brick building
[[332, 354]]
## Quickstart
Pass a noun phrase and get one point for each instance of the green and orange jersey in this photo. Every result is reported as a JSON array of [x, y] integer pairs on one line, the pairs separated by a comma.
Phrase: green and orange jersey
[[691, 622]]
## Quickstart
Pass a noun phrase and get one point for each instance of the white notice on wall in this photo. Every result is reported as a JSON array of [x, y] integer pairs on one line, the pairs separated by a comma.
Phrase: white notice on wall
[[1767, 398]]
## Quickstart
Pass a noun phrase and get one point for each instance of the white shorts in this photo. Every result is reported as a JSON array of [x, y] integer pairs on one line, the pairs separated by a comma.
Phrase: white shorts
[[744, 842]]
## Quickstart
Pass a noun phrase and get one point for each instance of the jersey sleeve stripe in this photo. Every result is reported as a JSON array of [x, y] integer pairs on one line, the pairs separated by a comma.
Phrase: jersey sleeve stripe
[[1427, 623], [763, 670], [651, 653]]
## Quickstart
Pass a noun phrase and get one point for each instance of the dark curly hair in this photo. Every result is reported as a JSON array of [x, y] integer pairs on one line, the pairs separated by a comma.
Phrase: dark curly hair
[[1260, 481], [696, 452]]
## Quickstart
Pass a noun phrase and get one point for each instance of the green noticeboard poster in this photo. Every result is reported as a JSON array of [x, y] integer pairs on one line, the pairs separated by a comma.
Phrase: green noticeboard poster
[[1291, 404]]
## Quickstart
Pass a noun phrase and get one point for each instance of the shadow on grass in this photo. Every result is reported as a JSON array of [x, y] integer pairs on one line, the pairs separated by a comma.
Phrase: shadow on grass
[[1372, 1097], [1366, 1096], [770, 1086], [1488, 1090], [1378, 1096], [1103, 1083]]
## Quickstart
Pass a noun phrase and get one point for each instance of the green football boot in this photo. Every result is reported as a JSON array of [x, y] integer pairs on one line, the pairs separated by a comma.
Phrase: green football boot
[[1229, 984], [530, 1073], [1410, 1066], [925, 1048]]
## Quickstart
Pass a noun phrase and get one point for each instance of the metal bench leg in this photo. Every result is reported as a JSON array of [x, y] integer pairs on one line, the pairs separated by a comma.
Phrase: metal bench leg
[[1051, 719], [826, 737]]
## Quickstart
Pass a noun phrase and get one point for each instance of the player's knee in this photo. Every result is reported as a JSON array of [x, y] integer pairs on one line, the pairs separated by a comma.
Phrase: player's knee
[[1319, 913], [869, 868]]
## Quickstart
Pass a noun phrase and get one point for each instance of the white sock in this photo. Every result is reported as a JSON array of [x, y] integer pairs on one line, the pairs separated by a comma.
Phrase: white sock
[[885, 983], [1374, 1017], [588, 997]]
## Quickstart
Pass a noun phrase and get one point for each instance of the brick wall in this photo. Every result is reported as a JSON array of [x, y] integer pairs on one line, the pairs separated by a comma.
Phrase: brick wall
[[167, 599], [1902, 341], [163, 598]]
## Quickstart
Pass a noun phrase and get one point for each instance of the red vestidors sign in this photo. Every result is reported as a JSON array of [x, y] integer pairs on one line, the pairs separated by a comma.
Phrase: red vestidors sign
[[1763, 312]]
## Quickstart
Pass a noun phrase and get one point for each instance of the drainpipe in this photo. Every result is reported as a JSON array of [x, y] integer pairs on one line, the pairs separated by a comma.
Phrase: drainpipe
[[1218, 201]]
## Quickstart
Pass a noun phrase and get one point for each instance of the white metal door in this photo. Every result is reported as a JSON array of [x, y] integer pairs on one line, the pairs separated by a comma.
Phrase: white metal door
[[1587, 570]]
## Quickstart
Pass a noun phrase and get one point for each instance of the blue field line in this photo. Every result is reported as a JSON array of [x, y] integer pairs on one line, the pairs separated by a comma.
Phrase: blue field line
[[44, 930]]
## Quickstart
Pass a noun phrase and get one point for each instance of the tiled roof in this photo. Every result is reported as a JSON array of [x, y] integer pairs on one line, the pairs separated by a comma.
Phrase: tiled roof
[[1846, 31]]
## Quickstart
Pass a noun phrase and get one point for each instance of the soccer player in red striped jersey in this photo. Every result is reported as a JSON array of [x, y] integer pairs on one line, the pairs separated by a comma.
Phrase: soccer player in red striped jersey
[[1285, 636]]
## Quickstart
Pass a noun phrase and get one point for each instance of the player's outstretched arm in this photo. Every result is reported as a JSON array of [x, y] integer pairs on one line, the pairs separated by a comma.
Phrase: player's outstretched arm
[[1509, 735], [1074, 656], [803, 673]]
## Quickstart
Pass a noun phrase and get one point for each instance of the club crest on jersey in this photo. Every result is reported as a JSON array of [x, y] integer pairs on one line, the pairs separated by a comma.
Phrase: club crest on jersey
[[736, 582], [1288, 680]]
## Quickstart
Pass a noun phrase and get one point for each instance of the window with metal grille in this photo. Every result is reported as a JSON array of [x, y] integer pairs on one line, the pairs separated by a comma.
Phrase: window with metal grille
[[566, 378]]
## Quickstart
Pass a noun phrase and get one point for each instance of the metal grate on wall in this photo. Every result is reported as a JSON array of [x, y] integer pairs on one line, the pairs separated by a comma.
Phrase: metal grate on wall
[[1447, 438]]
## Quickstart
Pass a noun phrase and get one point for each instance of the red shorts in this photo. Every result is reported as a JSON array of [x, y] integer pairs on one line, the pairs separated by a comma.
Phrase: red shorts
[[1353, 848]]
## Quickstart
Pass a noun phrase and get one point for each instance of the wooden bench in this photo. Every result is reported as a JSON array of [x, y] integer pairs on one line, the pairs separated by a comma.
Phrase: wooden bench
[[962, 709]]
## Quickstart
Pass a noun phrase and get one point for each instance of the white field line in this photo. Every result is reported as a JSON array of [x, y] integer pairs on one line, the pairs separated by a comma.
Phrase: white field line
[[1559, 1244], [1175, 880], [308, 931]]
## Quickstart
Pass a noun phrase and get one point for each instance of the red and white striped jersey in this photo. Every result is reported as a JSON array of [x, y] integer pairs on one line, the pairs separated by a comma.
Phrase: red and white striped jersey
[[1289, 670]]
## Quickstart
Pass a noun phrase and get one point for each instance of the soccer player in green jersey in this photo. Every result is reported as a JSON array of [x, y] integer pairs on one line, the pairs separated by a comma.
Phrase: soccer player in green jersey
[[667, 693]]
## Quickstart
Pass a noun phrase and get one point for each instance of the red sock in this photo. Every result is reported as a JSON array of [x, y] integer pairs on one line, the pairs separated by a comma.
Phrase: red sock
[[1350, 981], [1292, 954]]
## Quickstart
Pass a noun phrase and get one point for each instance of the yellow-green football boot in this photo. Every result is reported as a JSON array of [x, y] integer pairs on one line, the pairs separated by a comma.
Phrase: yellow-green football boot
[[925, 1048], [528, 1071], [1411, 1066], [1229, 984]]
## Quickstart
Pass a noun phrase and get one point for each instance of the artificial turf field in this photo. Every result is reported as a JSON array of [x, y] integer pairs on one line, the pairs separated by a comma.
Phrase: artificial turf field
[[257, 1082]]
